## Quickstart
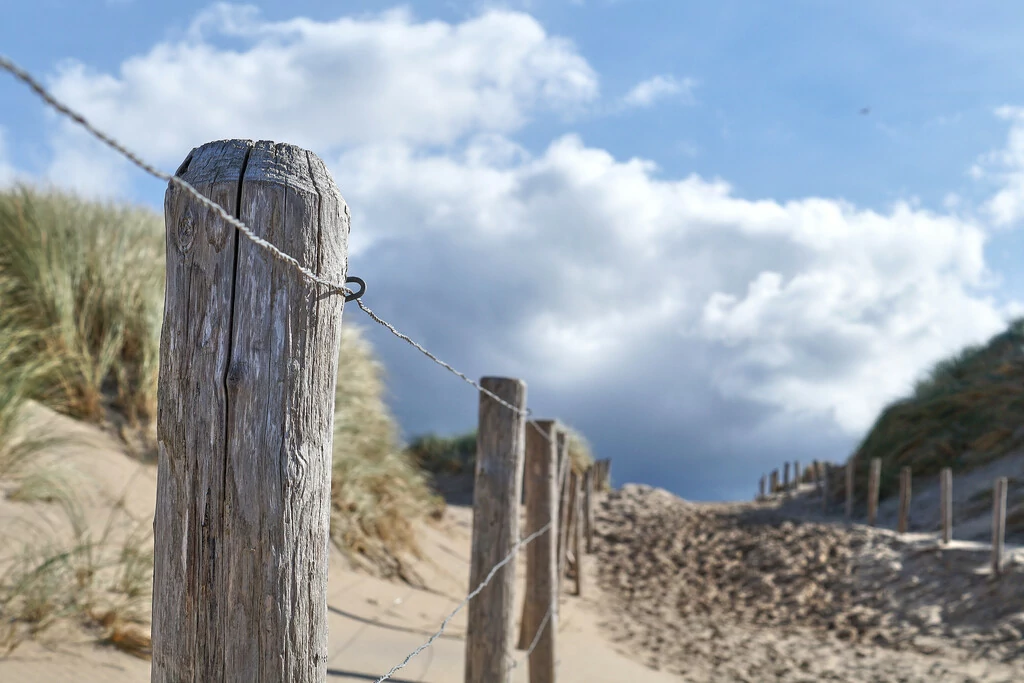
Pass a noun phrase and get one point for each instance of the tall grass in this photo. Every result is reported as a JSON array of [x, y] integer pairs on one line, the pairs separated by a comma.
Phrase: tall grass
[[81, 292], [965, 412], [84, 282], [377, 489]]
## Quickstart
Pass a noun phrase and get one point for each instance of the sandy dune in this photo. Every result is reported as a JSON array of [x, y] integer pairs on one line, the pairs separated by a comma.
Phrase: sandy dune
[[374, 623]]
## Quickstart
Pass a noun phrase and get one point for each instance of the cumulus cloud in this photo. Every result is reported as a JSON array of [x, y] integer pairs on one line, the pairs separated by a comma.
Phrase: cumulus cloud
[[650, 311], [811, 306], [325, 84], [1006, 207], [647, 93]]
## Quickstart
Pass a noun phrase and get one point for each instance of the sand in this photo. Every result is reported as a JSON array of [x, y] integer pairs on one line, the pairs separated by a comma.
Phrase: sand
[[373, 623], [747, 592], [675, 591]]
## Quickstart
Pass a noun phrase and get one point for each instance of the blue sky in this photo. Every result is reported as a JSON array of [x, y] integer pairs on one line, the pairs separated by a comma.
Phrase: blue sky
[[671, 219]]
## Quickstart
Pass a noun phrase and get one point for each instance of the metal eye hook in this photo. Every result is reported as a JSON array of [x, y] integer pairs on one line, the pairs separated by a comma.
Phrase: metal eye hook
[[362, 288]]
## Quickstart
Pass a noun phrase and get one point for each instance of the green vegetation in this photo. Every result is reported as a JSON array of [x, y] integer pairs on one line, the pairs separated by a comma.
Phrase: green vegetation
[[457, 454], [966, 412], [377, 490], [84, 287], [444, 454], [81, 300]]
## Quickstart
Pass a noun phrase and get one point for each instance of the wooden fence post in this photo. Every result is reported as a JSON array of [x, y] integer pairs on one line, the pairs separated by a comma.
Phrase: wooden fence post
[[541, 555], [760, 489], [785, 477], [565, 468], [577, 536], [849, 470], [244, 416], [873, 484], [826, 475], [904, 499], [796, 474], [946, 504], [775, 481], [588, 504], [998, 525], [816, 476], [573, 508], [500, 449]]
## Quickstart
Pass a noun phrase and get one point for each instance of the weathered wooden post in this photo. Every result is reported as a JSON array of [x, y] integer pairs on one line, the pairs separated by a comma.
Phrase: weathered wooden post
[[541, 558], [785, 477], [816, 476], [946, 504], [573, 509], [998, 525], [577, 536], [565, 467], [588, 505], [796, 474], [500, 450], [760, 488], [775, 481], [849, 487], [873, 484], [904, 500], [248, 367], [826, 476]]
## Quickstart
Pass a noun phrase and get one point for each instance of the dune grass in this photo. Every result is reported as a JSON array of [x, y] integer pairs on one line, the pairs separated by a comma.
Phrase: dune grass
[[84, 282], [81, 301], [377, 489], [967, 411], [68, 573]]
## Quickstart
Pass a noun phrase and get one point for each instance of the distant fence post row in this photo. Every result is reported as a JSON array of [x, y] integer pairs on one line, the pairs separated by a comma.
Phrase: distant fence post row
[[245, 416], [513, 453], [820, 475]]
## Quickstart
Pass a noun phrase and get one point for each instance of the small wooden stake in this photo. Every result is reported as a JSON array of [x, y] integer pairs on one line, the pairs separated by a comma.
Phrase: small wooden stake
[[904, 499], [849, 487], [826, 475], [577, 536], [946, 504], [588, 504], [874, 478], [998, 525], [497, 491], [541, 555]]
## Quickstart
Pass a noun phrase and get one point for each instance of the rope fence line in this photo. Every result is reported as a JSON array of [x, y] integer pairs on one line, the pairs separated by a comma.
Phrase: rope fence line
[[333, 288]]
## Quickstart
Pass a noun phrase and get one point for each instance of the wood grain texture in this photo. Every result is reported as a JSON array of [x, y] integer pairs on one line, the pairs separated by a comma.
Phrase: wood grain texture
[[496, 495], [541, 554], [946, 503], [249, 354]]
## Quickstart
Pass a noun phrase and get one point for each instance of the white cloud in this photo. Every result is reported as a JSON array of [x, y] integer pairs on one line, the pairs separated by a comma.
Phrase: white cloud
[[811, 306], [1006, 207], [325, 84], [582, 271], [661, 87]]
